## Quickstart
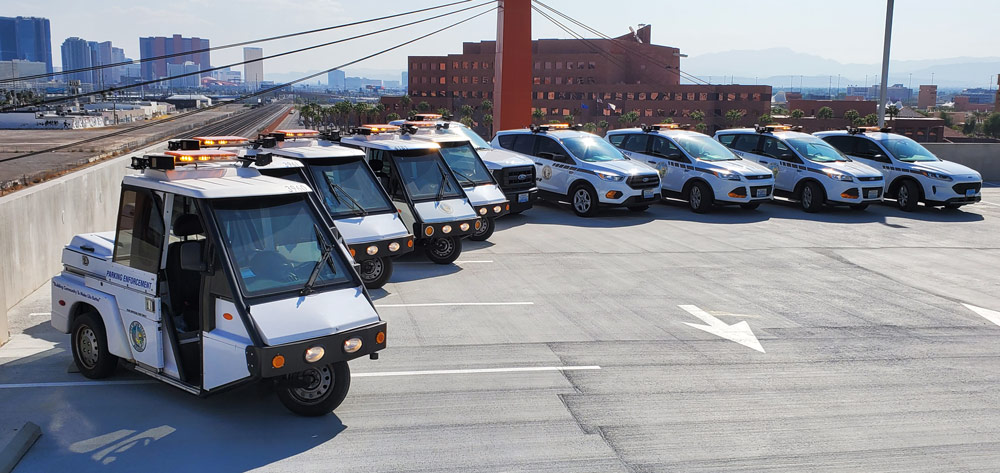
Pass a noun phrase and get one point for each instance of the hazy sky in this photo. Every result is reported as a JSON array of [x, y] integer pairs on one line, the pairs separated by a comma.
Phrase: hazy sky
[[848, 31]]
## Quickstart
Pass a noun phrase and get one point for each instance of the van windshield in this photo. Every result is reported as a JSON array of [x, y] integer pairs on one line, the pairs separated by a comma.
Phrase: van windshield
[[465, 163], [348, 187], [592, 149], [273, 243], [424, 175]]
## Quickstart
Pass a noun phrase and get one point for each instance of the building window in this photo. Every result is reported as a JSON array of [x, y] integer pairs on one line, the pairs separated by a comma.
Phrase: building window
[[465, 64], [642, 96], [537, 80], [540, 95], [454, 64], [548, 80], [434, 66], [465, 79], [475, 64], [538, 65], [569, 65], [487, 79], [548, 64], [454, 79], [630, 96], [591, 65], [486, 65], [423, 66], [552, 96], [442, 81], [569, 80], [690, 96], [558, 80], [559, 65], [475, 79], [565, 112], [649, 112], [703, 96], [442, 66]]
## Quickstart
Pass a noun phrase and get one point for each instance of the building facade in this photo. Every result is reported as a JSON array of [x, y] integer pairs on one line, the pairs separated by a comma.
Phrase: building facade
[[76, 54], [335, 80], [253, 72], [27, 39], [591, 80], [927, 97], [161, 46]]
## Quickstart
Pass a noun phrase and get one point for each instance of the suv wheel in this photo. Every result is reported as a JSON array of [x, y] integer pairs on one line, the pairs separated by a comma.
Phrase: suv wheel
[[811, 197], [584, 201]]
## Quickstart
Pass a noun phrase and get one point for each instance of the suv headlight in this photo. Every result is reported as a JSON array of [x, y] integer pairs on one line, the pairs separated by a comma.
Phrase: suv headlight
[[935, 175], [609, 177], [729, 176], [839, 177]]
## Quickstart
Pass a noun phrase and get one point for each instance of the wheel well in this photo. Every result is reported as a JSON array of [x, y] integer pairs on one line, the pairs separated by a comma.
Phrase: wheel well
[[690, 182], [80, 308], [581, 182], [802, 184], [894, 186]]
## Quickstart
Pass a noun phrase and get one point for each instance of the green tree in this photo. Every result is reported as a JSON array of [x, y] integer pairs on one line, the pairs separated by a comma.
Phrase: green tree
[[947, 118], [378, 111], [701, 127], [860, 121], [892, 111], [590, 127], [486, 106], [488, 122], [537, 115], [423, 107], [778, 111], [697, 115], [797, 113], [734, 116], [466, 110], [392, 116], [362, 110], [991, 126], [603, 125], [871, 119], [405, 101], [764, 119], [343, 111], [628, 118], [851, 115], [969, 127], [824, 112], [444, 112], [569, 119], [467, 121]]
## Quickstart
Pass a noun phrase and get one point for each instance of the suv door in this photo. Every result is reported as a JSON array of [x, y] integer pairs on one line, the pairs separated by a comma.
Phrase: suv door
[[673, 166], [555, 164], [775, 150]]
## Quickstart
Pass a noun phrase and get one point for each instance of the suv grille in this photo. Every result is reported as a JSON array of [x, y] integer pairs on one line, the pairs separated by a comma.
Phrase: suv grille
[[756, 178], [516, 177], [961, 188], [870, 179], [643, 181]]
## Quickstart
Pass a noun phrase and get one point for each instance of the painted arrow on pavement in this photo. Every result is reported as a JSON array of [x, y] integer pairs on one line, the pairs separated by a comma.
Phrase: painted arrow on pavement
[[991, 315], [739, 332]]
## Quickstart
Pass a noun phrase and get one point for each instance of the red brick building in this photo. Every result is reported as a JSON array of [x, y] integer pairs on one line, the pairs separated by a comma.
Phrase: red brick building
[[811, 107], [927, 97], [592, 80]]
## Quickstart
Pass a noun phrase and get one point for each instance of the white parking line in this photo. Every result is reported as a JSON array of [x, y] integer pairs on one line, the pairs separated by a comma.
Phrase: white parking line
[[444, 304], [473, 261], [39, 313], [376, 374]]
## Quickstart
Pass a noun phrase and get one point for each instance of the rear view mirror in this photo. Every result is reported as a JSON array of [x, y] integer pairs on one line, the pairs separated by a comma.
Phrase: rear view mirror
[[191, 257]]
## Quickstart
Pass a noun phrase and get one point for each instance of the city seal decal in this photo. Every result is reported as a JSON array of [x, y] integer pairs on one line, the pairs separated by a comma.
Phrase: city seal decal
[[138, 336], [445, 208], [546, 172]]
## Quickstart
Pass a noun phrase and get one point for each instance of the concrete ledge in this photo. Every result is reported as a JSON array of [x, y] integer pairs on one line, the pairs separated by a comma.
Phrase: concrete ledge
[[14, 450]]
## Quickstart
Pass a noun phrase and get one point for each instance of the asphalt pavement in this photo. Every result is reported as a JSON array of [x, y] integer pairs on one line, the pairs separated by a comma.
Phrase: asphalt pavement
[[767, 340]]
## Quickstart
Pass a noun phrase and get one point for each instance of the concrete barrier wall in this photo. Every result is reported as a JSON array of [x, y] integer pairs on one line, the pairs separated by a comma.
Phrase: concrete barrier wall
[[983, 157]]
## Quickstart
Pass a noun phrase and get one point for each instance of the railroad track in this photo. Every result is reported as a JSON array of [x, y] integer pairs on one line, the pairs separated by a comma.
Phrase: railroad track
[[243, 124]]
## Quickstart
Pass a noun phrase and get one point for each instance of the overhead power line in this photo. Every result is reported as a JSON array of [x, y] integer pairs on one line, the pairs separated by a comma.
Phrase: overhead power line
[[254, 94], [227, 46], [216, 68]]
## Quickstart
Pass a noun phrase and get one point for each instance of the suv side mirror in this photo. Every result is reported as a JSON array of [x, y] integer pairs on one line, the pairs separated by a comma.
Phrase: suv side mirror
[[191, 257]]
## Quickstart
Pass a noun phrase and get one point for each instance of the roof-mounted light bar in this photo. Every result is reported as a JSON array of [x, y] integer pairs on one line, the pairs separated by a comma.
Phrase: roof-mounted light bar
[[420, 124], [374, 129], [774, 128], [662, 126], [223, 140], [425, 117], [201, 156], [298, 133], [553, 127], [857, 130]]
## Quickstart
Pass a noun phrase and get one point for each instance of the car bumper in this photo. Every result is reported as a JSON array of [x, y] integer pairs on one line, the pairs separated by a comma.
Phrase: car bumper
[[627, 196], [742, 194], [945, 193], [521, 200], [856, 194], [360, 250], [260, 360], [957, 200]]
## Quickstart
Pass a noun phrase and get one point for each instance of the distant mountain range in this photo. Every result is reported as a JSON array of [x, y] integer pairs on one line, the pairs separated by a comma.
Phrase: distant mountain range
[[775, 66]]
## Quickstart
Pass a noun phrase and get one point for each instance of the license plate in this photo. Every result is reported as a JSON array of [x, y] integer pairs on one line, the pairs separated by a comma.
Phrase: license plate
[[970, 193], [522, 198], [872, 194], [761, 192], [647, 193]]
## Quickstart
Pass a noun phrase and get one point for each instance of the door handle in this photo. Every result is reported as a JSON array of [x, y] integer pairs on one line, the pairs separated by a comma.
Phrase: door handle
[[538, 164], [651, 162], [762, 162]]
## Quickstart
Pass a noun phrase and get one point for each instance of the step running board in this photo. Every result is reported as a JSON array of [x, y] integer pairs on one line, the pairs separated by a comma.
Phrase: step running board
[[171, 381]]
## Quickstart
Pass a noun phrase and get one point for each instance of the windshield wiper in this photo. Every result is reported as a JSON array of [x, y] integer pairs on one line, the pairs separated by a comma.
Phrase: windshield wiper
[[463, 176], [444, 180], [327, 252], [336, 187]]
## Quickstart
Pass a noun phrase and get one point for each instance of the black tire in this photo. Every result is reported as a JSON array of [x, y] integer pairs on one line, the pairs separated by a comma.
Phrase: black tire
[[444, 250], [485, 230], [584, 201], [316, 391], [376, 272], [750, 205], [700, 197], [908, 196], [90, 347], [638, 208], [812, 197], [861, 206]]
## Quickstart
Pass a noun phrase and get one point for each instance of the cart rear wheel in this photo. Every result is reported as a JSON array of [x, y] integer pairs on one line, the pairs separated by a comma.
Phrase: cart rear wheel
[[376, 272], [485, 230], [316, 391], [90, 347]]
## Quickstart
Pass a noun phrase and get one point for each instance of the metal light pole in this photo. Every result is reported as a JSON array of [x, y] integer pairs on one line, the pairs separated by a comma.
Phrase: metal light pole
[[882, 93]]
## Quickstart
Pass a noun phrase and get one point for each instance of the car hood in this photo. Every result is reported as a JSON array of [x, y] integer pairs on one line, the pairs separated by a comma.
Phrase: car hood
[[627, 167], [362, 229], [501, 158], [853, 168], [321, 313], [947, 167], [743, 167]]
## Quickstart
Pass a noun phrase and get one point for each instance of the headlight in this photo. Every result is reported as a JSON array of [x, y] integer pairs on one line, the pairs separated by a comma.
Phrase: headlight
[[464, 226], [314, 354], [609, 177], [352, 345], [482, 211], [393, 246], [497, 209], [446, 229], [729, 176], [372, 250], [938, 176], [839, 177]]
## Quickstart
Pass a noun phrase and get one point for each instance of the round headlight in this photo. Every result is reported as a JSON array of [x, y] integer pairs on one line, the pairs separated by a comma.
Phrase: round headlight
[[429, 231], [464, 226], [482, 211], [352, 345], [446, 229], [314, 354], [393, 246], [372, 250], [497, 208]]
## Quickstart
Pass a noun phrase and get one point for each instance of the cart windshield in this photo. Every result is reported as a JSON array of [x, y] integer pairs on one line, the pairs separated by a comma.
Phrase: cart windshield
[[348, 187], [424, 175], [274, 242], [465, 163]]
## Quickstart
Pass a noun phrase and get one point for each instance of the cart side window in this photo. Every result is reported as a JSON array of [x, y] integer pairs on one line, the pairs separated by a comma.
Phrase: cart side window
[[139, 238]]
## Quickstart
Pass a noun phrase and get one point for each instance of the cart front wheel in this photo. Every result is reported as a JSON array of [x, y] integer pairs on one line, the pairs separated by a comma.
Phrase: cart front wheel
[[444, 250], [316, 391], [376, 272]]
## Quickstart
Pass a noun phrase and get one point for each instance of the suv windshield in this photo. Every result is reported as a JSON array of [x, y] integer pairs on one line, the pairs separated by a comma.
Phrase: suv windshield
[[424, 175], [273, 243], [477, 141], [815, 149], [905, 149], [465, 163], [347, 185], [704, 148], [592, 149]]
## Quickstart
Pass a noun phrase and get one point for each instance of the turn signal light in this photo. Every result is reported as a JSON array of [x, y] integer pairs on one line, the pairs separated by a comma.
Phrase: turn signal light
[[277, 362], [737, 194], [352, 345], [613, 194], [508, 207], [380, 338], [479, 223], [850, 194], [429, 231], [353, 252], [409, 243]]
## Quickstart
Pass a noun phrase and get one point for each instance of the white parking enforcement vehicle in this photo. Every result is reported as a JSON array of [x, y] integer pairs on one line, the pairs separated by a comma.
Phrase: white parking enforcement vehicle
[[217, 277], [696, 168], [357, 206], [806, 168], [583, 168], [477, 182], [514, 173], [422, 187], [912, 173]]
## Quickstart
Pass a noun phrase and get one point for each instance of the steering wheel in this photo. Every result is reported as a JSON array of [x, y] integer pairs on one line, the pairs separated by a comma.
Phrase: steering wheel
[[271, 265]]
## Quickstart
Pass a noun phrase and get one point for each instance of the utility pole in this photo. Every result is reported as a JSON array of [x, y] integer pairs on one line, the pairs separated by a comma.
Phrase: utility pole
[[882, 95]]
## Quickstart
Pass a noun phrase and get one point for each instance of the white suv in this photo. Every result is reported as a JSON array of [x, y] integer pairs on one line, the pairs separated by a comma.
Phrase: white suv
[[583, 168], [696, 168], [806, 168], [912, 173]]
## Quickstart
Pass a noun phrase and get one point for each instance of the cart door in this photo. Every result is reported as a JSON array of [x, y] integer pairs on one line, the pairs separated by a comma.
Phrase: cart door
[[133, 272]]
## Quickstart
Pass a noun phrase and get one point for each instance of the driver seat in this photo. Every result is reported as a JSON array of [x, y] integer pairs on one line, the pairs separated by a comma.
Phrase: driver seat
[[184, 286]]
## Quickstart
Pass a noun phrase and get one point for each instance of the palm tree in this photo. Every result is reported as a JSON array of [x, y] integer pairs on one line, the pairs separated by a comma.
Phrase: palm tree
[[343, 110], [701, 127], [423, 106], [486, 106], [734, 116], [797, 114], [590, 127], [764, 119], [697, 115], [892, 111], [538, 115], [405, 101], [466, 110], [824, 112], [603, 125], [362, 109], [488, 122], [851, 115], [378, 111], [569, 119], [628, 118]]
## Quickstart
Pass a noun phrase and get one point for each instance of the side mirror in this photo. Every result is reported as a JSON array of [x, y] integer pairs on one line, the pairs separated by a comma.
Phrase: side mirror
[[191, 257]]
